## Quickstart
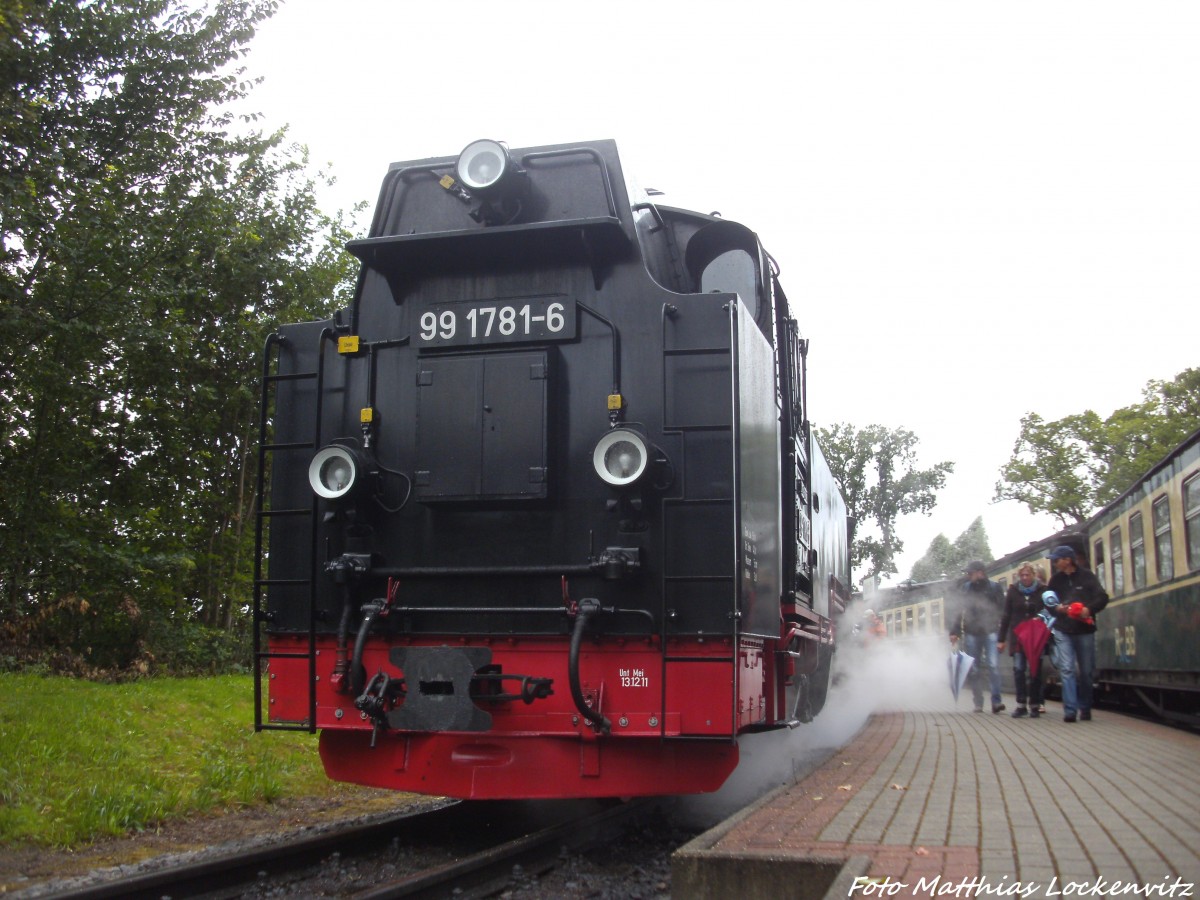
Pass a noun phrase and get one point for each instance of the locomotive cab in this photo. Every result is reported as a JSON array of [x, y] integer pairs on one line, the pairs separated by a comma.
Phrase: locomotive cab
[[544, 516]]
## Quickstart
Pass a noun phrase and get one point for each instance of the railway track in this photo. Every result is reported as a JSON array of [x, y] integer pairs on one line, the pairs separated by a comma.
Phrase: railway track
[[465, 849], [489, 870]]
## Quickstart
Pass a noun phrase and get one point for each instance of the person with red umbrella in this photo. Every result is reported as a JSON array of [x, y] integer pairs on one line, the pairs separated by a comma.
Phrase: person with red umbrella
[[1024, 632]]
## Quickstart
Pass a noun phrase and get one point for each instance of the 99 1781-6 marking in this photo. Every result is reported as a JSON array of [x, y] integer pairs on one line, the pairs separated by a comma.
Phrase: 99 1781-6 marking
[[532, 319]]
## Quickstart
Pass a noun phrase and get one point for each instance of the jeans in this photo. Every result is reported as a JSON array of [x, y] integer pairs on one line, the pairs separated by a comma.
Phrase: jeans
[[1075, 656], [983, 648], [1022, 671]]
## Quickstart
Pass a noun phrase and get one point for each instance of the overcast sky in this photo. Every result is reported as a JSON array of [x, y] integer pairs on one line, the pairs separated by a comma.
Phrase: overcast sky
[[980, 209]]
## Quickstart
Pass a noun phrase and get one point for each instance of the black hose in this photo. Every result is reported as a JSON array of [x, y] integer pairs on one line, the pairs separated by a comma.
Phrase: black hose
[[358, 674], [343, 634], [587, 608]]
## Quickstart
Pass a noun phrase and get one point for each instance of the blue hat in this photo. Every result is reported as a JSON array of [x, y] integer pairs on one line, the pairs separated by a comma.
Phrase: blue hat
[[1062, 551], [1050, 599]]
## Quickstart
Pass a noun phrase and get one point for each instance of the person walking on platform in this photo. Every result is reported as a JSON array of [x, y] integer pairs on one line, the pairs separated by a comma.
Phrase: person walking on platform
[[1081, 597], [1022, 603], [872, 626], [975, 608]]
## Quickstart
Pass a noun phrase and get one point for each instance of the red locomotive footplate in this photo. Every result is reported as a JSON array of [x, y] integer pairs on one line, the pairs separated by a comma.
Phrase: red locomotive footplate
[[488, 767], [663, 723]]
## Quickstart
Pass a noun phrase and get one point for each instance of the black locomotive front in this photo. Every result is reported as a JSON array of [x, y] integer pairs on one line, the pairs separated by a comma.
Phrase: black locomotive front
[[542, 517]]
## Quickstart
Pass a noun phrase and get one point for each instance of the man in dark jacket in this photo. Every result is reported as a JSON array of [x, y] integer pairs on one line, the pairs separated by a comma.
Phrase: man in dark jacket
[[974, 615], [1080, 597]]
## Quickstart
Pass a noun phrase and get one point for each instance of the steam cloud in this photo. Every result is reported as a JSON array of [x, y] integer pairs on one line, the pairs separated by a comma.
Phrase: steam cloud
[[869, 676]]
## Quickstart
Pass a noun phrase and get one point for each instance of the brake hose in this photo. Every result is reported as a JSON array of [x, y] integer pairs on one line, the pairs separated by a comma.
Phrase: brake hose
[[358, 675], [587, 608]]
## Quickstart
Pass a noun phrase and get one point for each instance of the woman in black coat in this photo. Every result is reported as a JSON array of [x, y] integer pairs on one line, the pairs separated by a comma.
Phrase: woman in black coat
[[1022, 602]]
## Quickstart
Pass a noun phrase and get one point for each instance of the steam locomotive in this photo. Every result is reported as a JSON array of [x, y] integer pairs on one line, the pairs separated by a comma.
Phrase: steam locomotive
[[541, 514]]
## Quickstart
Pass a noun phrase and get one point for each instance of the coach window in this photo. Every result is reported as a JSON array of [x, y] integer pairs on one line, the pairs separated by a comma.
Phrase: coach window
[[1164, 557], [1098, 563], [1118, 561], [908, 620], [935, 616], [1191, 520], [1137, 553]]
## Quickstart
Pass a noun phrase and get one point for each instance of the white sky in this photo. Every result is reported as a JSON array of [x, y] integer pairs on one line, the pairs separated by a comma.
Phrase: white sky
[[980, 209]]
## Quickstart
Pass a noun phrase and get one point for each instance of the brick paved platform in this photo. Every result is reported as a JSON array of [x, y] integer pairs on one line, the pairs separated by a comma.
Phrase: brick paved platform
[[960, 804]]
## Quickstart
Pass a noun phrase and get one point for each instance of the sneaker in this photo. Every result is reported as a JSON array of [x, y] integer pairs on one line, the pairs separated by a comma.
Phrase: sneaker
[[1034, 712], [1069, 717], [1041, 708], [1085, 715], [998, 708], [1021, 711], [979, 709]]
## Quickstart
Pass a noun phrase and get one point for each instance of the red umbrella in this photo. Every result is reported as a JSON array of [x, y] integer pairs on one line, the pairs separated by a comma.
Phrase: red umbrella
[[1032, 635]]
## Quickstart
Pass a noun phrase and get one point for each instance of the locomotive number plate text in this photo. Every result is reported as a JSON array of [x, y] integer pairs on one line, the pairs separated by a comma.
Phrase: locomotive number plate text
[[507, 321]]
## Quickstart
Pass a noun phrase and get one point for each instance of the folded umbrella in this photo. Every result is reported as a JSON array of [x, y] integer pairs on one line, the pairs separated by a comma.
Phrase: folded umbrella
[[1032, 635], [960, 667]]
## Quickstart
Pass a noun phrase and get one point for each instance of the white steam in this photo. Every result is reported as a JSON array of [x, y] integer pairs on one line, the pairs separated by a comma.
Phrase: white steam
[[882, 675]]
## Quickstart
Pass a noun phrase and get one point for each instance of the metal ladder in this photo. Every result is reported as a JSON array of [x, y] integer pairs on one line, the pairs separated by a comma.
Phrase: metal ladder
[[261, 616]]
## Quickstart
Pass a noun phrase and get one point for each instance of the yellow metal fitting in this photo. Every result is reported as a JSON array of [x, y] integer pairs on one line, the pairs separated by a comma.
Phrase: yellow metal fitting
[[366, 415], [615, 401], [348, 344]]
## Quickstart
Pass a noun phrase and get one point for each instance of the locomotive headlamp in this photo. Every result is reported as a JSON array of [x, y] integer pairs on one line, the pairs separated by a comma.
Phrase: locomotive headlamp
[[620, 457], [336, 471], [491, 178], [484, 166]]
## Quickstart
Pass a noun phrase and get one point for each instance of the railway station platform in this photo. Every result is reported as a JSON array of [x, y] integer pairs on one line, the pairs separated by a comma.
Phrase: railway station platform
[[961, 804]]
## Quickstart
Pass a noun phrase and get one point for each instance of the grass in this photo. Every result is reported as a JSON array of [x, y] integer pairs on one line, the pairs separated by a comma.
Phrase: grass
[[81, 760]]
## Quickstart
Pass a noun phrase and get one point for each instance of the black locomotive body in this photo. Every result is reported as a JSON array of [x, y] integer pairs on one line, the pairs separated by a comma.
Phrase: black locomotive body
[[544, 514]]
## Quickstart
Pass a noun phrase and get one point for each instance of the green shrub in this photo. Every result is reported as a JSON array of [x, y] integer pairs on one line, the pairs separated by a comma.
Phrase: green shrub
[[181, 646], [74, 637]]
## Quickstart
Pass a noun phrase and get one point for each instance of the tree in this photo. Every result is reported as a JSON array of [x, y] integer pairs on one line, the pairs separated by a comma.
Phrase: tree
[[944, 559], [145, 251], [876, 468], [937, 563], [971, 545], [1072, 466]]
